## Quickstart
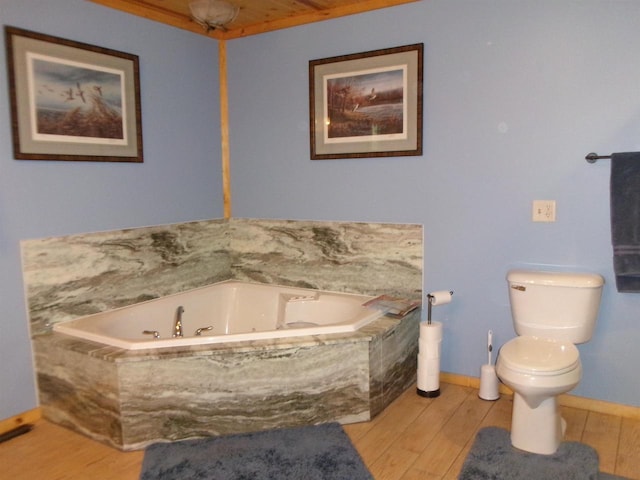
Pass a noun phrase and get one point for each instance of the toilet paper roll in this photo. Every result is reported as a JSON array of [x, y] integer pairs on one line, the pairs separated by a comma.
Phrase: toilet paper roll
[[430, 339], [430, 332], [430, 349], [433, 366], [441, 297], [429, 344], [428, 378]]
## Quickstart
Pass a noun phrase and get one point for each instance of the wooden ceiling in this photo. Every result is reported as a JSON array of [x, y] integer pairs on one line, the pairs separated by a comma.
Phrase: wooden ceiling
[[256, 16]]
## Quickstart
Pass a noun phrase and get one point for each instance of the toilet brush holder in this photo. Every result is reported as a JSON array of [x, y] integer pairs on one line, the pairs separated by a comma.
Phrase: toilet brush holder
[[489, 382]]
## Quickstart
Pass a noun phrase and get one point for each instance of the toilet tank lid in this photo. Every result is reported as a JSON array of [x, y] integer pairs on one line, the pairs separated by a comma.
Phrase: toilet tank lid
[[559, 279]]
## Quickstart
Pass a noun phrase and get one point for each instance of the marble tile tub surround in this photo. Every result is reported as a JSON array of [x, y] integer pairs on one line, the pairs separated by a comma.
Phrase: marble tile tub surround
[[76, 275], [128, 399], [366, 258]]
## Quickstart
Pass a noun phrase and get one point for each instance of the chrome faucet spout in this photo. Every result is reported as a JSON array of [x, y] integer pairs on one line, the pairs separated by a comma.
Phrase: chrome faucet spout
[[177, 327]]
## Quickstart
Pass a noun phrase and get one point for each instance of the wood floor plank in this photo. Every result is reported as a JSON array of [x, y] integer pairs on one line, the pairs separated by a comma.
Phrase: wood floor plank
[[372, 445], [628, 457], [602, 433], [499, 415], [356, 431], [414, 474], [576, 420], [393, 463], [454, 435], [389, 427], [405, 410], [421, 431], [50, 452]]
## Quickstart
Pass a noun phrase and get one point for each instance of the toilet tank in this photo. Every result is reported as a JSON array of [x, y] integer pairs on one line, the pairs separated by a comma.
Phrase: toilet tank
[[557, 305]]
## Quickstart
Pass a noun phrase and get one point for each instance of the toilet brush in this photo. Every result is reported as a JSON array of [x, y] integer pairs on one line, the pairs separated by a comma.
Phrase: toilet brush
[[489, 383]]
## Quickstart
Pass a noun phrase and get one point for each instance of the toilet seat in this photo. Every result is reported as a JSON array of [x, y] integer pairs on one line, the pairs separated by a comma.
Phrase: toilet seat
[[539, 356]]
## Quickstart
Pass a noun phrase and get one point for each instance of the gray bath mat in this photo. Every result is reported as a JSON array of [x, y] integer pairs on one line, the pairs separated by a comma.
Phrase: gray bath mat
[[320, 452], [492, 457]]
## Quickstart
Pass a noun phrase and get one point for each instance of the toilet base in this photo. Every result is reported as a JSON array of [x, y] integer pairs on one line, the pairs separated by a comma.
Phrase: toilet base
[[536, 430]]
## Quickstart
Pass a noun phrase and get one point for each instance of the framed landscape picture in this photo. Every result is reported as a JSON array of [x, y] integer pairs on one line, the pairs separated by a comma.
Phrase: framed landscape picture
[[72, 101], [367, 104]]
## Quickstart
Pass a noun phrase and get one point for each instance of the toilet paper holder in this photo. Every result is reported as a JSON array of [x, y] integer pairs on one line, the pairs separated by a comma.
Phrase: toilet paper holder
[[430, 299]]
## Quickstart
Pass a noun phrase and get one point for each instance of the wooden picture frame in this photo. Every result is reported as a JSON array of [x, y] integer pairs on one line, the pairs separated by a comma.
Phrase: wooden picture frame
[[72, 101], [367, 104]]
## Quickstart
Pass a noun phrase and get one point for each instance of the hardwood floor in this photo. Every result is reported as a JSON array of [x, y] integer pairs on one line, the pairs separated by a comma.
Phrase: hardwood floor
[[415, 438], [428, 439]]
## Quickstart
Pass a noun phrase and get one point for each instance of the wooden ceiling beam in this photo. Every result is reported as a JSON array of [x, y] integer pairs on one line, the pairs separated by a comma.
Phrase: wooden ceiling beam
[[312, 17], [151, 12], [146, 10]]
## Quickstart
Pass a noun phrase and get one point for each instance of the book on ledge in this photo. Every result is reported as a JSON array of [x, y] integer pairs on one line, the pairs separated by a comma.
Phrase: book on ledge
[[392, 306]]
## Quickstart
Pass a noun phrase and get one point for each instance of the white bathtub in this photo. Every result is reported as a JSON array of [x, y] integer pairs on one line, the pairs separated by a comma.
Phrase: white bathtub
[[235, 311]]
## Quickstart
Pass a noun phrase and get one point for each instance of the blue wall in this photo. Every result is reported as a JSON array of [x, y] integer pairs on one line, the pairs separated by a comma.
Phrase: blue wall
[[516, 94], [180, 179]]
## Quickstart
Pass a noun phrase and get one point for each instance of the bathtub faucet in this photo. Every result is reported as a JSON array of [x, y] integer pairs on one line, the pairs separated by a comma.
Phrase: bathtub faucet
[[177, 327]]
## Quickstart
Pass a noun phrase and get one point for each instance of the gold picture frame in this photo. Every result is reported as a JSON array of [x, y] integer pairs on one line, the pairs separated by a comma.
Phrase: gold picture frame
[[72, 101], [367, 104]]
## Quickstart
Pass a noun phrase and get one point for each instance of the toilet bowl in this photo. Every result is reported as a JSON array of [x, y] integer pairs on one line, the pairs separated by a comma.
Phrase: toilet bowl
[[538, 370], [551, 312]]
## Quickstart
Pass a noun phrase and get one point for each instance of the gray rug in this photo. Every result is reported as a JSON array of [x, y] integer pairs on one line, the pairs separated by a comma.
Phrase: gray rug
[[320, 452], [492, 457]]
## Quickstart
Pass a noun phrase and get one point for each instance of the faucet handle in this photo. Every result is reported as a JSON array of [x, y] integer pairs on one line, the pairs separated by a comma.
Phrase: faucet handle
[[155, 333], [202, 329]]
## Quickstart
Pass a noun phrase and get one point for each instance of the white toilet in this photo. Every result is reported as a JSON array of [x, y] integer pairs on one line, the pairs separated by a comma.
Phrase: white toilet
[[551, 312]]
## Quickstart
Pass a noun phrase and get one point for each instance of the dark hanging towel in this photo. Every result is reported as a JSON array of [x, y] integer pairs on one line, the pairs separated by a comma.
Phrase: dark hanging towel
[[625, 220]]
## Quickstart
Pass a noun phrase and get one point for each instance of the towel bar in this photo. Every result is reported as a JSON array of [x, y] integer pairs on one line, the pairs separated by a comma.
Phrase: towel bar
[[594, 157]]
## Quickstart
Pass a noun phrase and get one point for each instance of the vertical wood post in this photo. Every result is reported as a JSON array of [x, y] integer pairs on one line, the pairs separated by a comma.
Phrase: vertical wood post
[[224, 127]]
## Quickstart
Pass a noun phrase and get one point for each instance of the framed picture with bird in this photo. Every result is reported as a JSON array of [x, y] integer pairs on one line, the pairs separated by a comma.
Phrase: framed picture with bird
[[72, 101], [367, 104]]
